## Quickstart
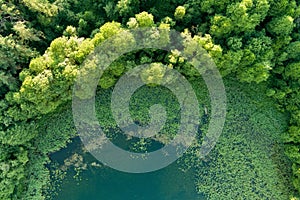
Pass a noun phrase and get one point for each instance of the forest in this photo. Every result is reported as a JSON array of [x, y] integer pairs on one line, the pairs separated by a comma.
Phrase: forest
[[255, 45]]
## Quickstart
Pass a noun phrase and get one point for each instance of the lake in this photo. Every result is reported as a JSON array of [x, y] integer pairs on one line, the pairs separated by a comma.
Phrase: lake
[[104, 183]]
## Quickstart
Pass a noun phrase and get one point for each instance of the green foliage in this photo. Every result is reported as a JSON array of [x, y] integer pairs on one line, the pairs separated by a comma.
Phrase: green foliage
[[281, 25], [144, 19], [47, 83], [70, 31], [19, 134], [37, 177], [293, 50], [293, 71], [282, 7], [221, 26], [55, 130], [42, 6], [247, 14], [24, 33], [253, 40], [12, 168], [248, 160], [179, 12], [128, 8], [13, 56], [110, 29], [153, 74], [258, 73]]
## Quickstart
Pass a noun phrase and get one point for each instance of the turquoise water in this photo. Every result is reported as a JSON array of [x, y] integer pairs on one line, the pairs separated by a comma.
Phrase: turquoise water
[[104, 183]]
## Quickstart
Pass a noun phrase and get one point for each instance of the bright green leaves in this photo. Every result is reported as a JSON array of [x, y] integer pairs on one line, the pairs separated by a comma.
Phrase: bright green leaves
[[85, 47], [57, 50], [70, 31], [215, 51], [39, 84], [110, 76], [175, 57], [257, 73], [25, 33], [238, 13], [281, 25], [248, 58], [229, 62], [47, 83], [294, 135], [246, 15], [38, 64], [132, 23], [260, 9], [153, 74], [109, 29], [221, 26], [37, 95], [179, 12], [42, 6], [107, 81], [144, 19], [293, 151], [261, 46], [257, 59], [245, 51], [252, 61]]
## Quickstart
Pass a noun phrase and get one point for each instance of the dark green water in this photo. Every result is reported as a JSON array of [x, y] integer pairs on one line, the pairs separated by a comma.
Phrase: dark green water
[[104, 183]]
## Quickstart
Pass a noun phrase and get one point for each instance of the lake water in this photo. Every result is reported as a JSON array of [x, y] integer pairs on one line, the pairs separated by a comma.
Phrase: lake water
[[104, 183]]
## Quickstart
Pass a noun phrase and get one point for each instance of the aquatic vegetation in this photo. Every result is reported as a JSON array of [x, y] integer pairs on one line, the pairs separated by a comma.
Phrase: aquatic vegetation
[[248, 162]]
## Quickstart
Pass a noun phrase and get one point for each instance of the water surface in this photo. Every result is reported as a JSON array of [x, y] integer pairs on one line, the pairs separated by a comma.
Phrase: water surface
[[104, 183]]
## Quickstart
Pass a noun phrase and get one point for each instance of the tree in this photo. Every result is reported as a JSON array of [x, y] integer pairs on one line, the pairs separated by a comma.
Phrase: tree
[[281, 25], [144, 19], [179, 12], [128, 8]]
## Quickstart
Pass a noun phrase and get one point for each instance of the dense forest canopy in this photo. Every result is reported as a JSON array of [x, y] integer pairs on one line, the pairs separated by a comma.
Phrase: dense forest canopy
[[43, 44]]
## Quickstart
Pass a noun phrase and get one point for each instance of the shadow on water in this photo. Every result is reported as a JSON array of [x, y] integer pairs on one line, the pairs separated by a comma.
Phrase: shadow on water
[[104, 183]]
